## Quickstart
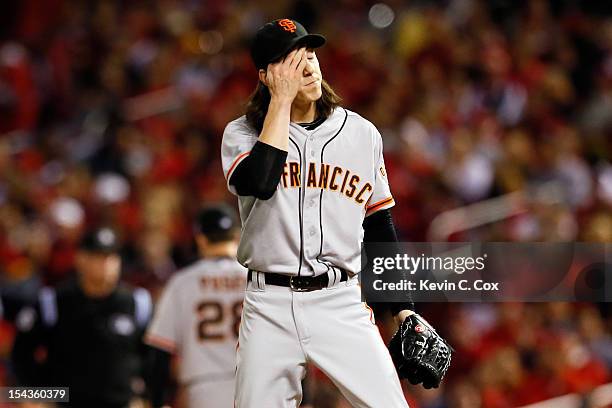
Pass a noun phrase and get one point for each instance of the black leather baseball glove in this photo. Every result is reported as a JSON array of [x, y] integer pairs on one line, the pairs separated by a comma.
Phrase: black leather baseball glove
[[419, 353]]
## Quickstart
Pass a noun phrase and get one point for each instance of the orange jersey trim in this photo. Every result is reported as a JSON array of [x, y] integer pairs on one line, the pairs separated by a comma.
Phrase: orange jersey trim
[[372, 208], [235, 163], [371, 312], [160, 342]]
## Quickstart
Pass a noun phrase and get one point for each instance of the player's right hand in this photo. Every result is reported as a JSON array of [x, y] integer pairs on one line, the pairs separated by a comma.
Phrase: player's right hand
[[284, 78]]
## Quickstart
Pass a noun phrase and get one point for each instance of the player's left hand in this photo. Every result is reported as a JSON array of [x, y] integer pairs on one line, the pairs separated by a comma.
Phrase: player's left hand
[[419, 353]]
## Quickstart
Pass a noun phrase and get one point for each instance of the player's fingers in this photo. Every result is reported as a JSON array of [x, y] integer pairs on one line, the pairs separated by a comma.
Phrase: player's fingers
[[289, 58], [298, 58], [269, 70], [276, 71], [289, 61], [302, 65], [269, 76]]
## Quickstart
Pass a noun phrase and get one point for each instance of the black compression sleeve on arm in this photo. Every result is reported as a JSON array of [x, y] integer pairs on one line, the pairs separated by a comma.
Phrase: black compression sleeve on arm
[[379, 227], [259, 173], [158, 373]]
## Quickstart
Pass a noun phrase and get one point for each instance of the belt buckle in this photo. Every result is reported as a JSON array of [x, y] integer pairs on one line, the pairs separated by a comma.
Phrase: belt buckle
[[295, 283]]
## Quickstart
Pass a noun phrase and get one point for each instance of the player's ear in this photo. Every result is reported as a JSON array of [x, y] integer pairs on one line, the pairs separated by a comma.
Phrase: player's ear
[[262, 76]]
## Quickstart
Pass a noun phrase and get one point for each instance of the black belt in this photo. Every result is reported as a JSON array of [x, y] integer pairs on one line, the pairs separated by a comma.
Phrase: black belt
[[300, 283]]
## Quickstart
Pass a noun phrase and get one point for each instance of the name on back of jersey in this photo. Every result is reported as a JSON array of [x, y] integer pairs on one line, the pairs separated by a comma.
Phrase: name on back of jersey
[[222, 283]]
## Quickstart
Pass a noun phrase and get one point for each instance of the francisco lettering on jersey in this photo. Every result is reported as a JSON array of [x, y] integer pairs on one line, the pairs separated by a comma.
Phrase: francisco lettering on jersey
[[329, 177]]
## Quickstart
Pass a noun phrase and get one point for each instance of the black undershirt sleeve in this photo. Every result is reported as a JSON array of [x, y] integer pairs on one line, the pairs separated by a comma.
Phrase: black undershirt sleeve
[[259, 173], [157, 376], [379, 227]]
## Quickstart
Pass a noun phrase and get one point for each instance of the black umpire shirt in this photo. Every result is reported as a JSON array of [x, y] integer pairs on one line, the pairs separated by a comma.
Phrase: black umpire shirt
[[91, 345]]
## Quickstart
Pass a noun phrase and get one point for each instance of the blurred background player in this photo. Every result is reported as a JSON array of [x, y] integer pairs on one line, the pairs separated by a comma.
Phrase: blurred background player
[[197, 317], [89, 331]]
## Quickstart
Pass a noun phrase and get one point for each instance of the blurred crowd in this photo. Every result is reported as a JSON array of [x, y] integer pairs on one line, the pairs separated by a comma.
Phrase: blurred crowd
[[112, 113]]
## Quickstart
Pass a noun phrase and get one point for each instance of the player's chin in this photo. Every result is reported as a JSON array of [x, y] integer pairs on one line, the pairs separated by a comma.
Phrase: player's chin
[[312, 92]]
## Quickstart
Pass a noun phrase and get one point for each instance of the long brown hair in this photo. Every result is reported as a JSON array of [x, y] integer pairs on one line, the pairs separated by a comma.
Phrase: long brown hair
[[257, 106]]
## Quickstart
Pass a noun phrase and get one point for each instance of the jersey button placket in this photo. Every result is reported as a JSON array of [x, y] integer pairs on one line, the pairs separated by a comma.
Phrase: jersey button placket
[[311, 142], [312, 204]]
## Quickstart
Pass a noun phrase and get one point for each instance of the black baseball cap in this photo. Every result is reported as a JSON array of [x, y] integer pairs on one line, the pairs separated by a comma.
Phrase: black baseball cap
[[216, 220], [277, 38], [100, 240]]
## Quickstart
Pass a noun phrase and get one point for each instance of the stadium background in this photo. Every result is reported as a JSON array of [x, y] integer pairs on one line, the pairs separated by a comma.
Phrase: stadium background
[[112, 112]]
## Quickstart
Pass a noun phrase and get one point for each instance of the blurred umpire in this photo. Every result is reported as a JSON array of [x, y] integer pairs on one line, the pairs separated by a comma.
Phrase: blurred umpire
[[86, 334]]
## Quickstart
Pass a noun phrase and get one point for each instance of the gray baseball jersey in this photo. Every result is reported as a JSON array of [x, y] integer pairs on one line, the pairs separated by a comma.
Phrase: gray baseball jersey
[[197, 317], [333, 178]]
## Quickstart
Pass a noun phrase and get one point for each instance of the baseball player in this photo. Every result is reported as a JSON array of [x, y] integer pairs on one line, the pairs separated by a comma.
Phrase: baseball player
[[197, 317], [311, 185]]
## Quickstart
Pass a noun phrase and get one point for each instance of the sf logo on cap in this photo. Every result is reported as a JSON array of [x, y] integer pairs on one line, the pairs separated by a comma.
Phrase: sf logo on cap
[[287, 25]]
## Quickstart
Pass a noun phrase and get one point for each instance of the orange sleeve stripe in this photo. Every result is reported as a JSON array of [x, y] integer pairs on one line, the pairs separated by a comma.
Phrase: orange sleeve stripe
[[371, 312], [160, 342], [236, 162], [383, 201], [387, 202], [379, 203]]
